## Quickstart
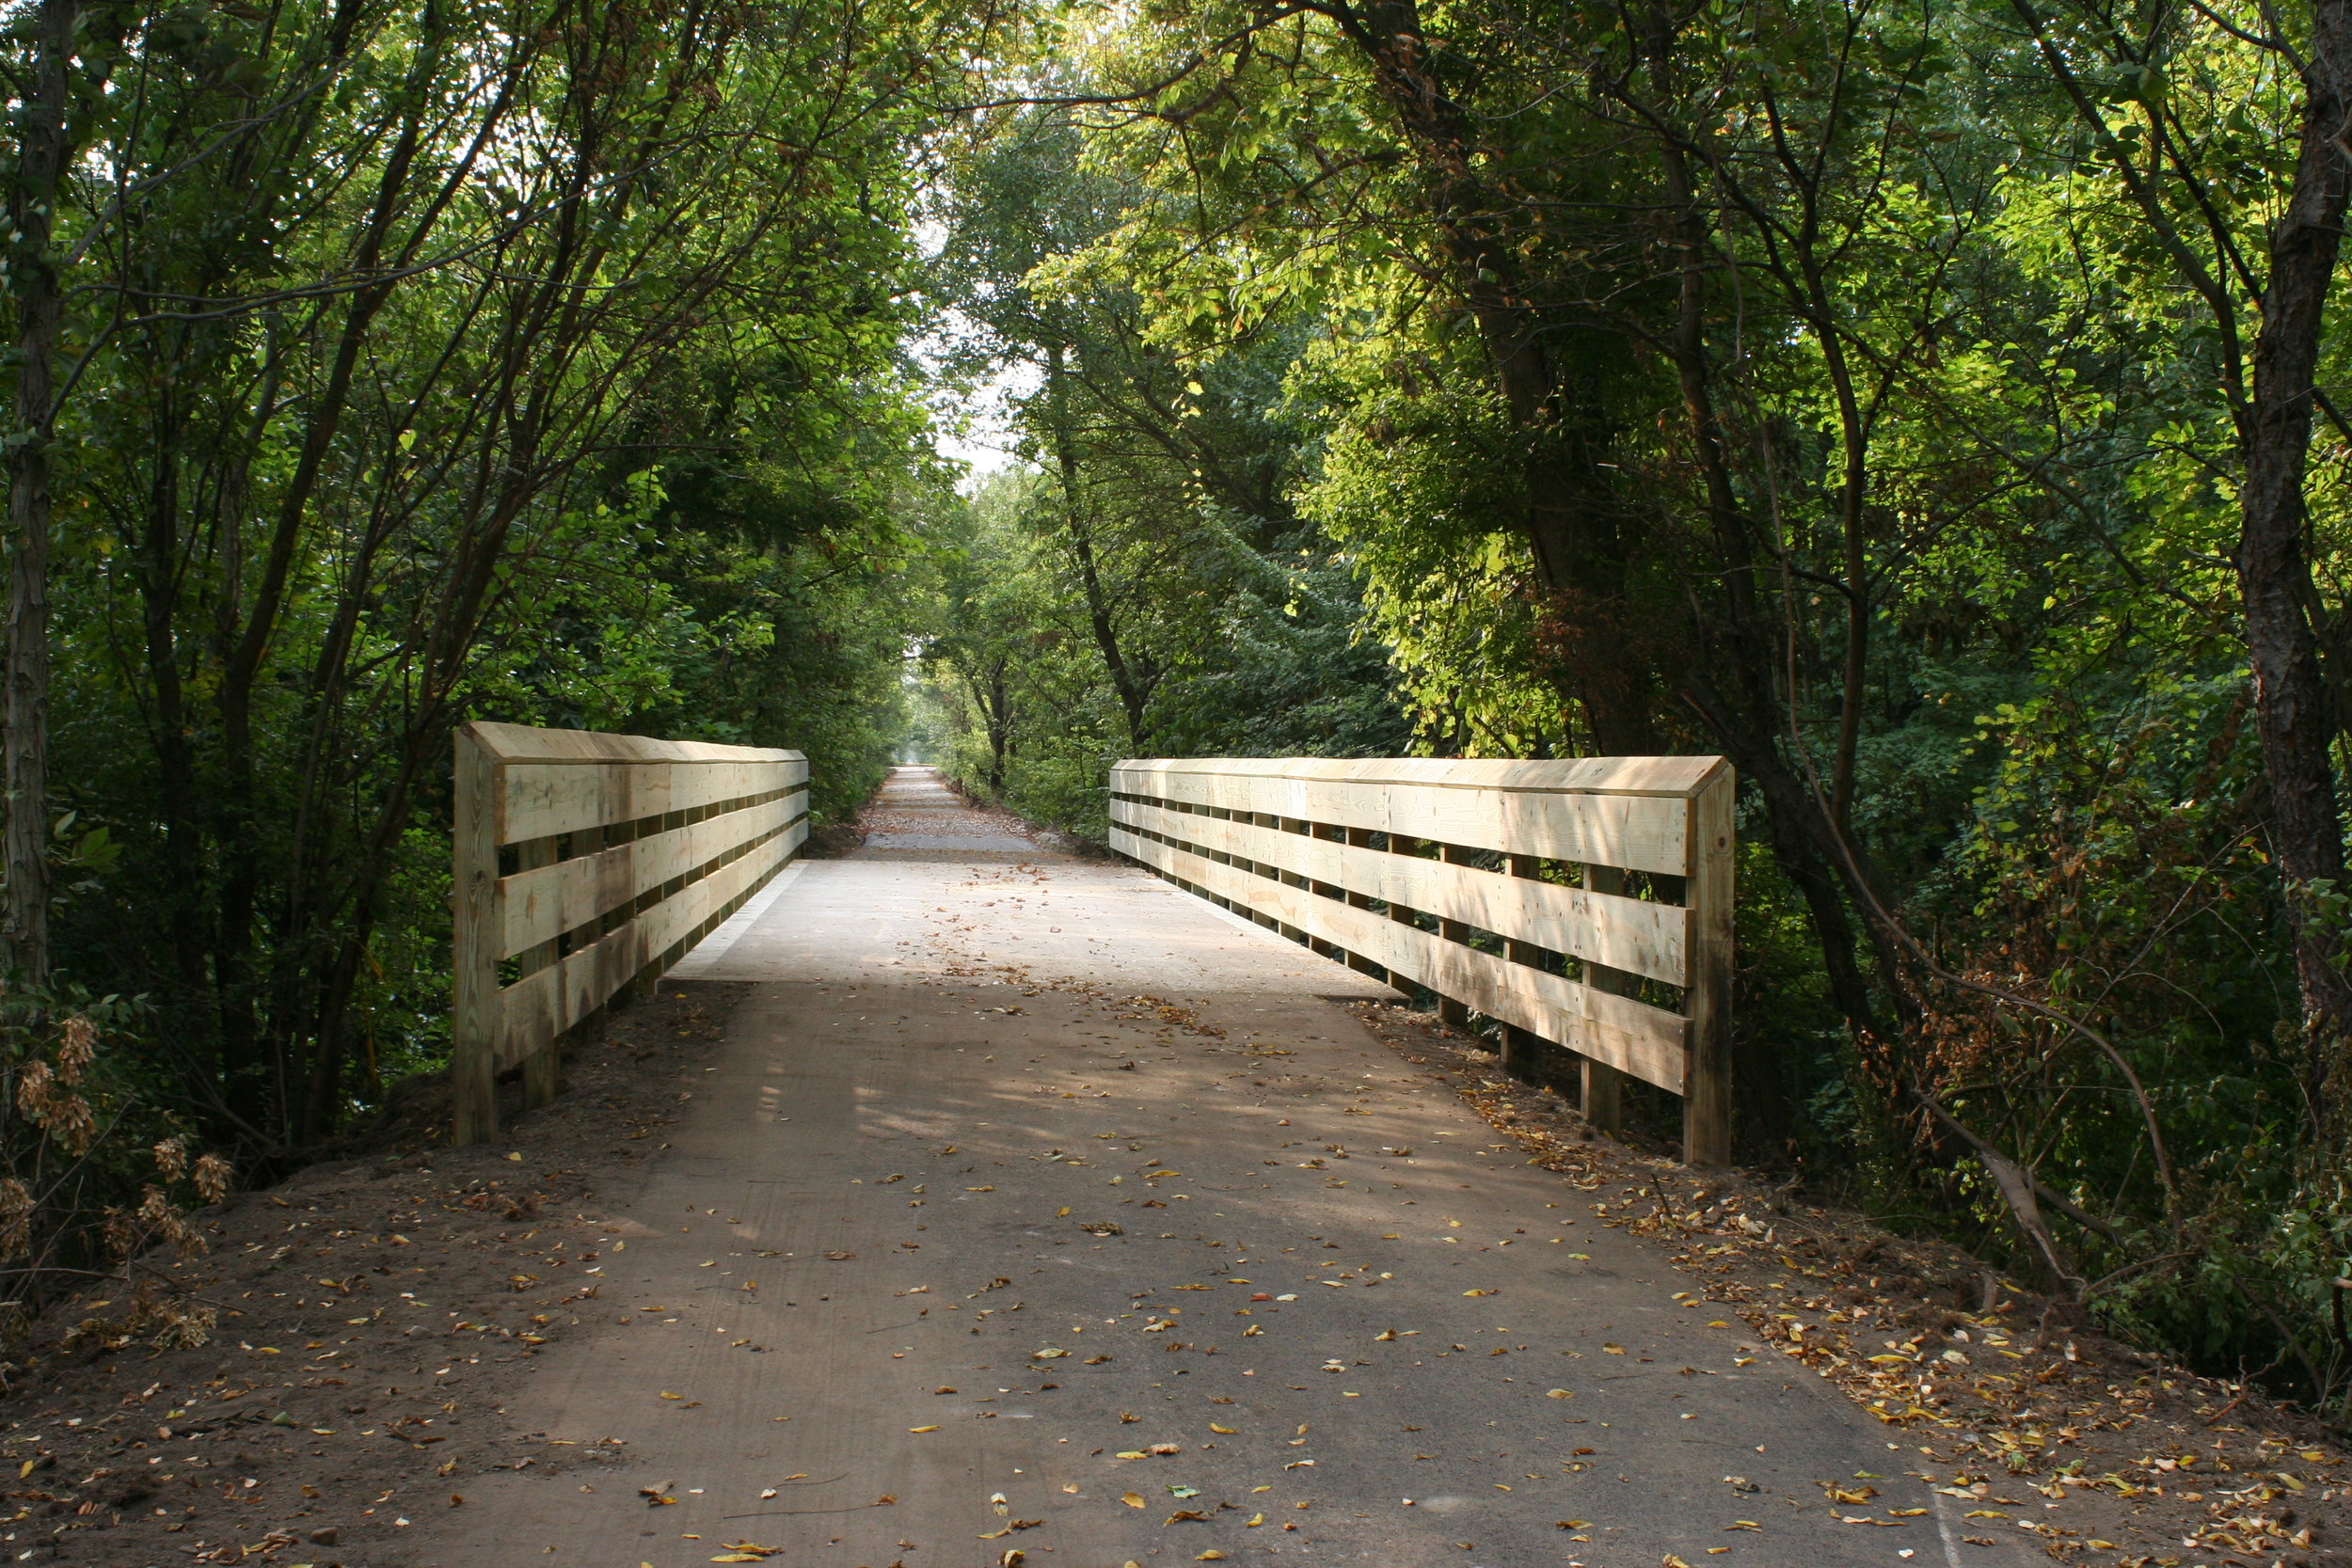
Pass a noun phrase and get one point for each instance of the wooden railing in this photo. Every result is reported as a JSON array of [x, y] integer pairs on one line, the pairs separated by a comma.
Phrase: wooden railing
[[586, 862], [1584, 903]]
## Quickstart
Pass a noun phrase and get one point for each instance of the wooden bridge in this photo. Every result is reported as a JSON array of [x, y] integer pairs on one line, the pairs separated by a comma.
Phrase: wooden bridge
[[1039, 1209]]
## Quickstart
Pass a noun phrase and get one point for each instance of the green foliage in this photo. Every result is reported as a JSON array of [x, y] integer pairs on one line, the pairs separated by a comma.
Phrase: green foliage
[[531, 365]]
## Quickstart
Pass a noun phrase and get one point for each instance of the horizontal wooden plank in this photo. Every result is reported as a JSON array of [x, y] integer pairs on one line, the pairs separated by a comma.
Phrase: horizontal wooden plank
[[1638, 831], [1629, 1036], [543, 903], [538, 798], [524, 743], [541, 1006], [1621, 933], [1682, 776]]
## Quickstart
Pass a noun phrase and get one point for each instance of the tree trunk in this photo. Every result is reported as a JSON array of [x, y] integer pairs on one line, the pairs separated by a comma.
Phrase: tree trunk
[[43, 150], [1133, 695], [2273, 570]]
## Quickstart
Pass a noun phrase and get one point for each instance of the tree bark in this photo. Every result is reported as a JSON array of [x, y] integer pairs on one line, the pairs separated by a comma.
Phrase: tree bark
[[2274, 572], [44, 148]]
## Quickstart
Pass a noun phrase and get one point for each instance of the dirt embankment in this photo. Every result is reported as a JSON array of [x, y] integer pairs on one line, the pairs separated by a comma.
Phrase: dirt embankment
[[374, 1314]]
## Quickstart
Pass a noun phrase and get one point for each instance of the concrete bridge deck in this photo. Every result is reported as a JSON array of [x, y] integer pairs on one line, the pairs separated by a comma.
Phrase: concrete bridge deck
[[1038, 1212]]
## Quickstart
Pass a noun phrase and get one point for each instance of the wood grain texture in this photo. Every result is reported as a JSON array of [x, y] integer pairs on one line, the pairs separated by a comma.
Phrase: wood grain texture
[[545, 901], [511, 743], [1595, 812], [1628, 934], [541, 1005], [1645, 1041], [1708, 1120], [477, 1019], [539, 798], [577, 791]]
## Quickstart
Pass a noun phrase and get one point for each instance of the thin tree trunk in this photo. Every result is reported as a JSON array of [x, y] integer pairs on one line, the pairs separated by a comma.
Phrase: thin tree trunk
[[43, 150], [1132, 696]]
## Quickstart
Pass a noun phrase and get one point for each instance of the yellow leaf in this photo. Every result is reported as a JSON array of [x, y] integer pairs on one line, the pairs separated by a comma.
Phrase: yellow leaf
[[1478, 1293], [1253, 1521], [1061, 1213], [1226, 1432], [1673, 1562], [1558, 1394], [1133, 1499], [1211, 1555], [922, 1428]]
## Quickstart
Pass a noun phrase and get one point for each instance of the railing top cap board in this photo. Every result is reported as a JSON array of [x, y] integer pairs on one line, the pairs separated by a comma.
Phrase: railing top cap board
[[1669, 776], [522, 743]]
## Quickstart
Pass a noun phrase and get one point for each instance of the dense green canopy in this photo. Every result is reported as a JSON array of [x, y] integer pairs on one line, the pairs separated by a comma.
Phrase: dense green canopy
[[1930, 406]]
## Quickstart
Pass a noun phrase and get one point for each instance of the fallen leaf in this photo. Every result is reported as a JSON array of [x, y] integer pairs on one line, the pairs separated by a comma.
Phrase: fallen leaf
[[1133, 1499], [922, 1428], [1223, 1431], [1558, 1394]]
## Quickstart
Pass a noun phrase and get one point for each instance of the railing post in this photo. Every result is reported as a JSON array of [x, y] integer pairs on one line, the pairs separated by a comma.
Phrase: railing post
[[1707, 1095], [477, 928]]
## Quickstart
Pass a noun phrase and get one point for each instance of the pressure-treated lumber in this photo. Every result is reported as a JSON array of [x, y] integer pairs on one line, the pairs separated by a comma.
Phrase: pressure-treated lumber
[[542, 903], [1632, 811], [1624, 933], [626, 850], [1645, 1041], [1330, 852]]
